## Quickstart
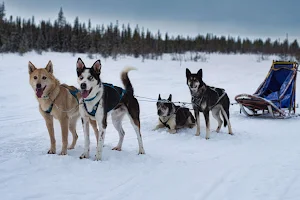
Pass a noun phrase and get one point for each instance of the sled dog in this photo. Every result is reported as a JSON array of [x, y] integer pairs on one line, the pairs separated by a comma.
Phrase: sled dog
[[173, 117], [100, 99], [206, 99], [58, 101]]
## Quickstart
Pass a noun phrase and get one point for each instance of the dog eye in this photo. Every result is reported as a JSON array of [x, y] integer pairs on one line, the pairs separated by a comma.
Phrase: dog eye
[[80, 77], [90, 78], [35, 77], [44, 77]]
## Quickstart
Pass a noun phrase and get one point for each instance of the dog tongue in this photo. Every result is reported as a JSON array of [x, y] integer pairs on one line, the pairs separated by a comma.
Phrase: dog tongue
[[85, 93], [39, 92]]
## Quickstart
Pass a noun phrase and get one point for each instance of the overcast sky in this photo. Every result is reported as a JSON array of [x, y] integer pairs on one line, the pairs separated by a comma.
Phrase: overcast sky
[[247, 18]]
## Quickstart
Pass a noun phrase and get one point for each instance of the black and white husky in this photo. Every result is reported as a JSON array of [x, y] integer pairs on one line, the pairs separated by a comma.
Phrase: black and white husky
[[205, 99], [173, 117], [99, 99]]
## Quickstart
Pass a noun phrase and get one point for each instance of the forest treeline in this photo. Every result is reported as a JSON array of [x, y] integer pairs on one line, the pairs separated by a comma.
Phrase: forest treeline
[[23, 35]]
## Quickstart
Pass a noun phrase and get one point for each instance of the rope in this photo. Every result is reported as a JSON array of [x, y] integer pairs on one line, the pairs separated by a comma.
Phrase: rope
[[146, 99]]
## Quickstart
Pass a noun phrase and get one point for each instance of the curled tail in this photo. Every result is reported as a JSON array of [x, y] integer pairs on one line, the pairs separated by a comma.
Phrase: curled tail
[[126, 81]]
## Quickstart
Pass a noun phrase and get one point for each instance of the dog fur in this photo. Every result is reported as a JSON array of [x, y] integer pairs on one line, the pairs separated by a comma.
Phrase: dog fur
[[206, 99], [92, 88], [173, 117], [49, 92]]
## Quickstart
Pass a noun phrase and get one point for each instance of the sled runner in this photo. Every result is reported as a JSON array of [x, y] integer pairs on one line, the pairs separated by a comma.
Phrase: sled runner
[[275, 95]]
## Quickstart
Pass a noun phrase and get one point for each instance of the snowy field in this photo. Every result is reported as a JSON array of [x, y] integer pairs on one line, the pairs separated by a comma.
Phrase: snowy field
[[260, 162]]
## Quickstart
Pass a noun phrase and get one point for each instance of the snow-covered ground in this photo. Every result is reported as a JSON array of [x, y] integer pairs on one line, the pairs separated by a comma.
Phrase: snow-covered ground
[[261, 161]]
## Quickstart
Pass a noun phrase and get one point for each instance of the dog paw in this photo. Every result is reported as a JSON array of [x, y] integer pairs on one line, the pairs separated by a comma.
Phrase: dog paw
[[218, 129], [207, 138], [141, 151], [84, 155], [71, 147], [98, 158], [172, 131], [155, 129], [116, 148], [63, 153], [51, 151], [230, 133], [197, 134]]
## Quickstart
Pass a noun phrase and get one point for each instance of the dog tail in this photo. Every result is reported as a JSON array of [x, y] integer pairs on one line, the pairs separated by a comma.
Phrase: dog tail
[[126, 81], [226, 105]]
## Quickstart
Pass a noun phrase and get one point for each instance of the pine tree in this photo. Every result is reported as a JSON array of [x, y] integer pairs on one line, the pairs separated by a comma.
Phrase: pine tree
[[23, 46], [2, 12], [61, 19], [41, 42], [2, 15]]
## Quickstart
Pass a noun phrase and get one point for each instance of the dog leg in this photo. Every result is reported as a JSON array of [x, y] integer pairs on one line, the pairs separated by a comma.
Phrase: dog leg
[[72, 128], [172, 131], [85, 125], [96, 131], [172, 125], [197, 116], [158, 126], [228, 122], [136, 125], [64, 123], [50, 127], [216, 114], [117, 117], [190, 123], [102, 123], [206, 116]]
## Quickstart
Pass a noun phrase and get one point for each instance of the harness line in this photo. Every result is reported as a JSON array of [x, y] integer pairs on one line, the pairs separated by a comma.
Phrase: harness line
[[64, 111]]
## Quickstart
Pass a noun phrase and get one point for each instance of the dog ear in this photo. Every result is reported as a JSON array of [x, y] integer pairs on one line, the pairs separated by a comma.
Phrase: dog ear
[[97, 66], [31, 67], [159, 98], [187, 73], [199, 73], [49, 67], [170, 97], [80, 65]]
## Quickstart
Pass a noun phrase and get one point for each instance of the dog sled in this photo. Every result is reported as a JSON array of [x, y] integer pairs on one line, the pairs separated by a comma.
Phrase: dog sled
[[276, 94]]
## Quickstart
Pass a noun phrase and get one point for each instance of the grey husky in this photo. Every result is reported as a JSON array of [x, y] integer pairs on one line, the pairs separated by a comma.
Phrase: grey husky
[[173, 117], [206, 99]]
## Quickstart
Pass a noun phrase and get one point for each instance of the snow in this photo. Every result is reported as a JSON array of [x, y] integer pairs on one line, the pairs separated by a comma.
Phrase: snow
[[260, 162]]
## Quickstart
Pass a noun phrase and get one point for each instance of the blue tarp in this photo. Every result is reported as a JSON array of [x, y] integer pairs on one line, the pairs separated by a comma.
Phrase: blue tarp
[[278, 86]]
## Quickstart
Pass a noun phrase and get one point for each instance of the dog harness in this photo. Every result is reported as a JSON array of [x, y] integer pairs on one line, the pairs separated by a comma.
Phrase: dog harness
[[74, 94], [165, 123], [110, 105], [198, 101]]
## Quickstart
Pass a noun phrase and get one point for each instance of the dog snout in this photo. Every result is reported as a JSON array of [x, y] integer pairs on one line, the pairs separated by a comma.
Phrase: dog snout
[[83, 86], [38, 86]]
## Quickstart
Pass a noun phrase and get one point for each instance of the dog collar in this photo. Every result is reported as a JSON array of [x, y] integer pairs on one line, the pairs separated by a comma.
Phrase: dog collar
[[91, 99]]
